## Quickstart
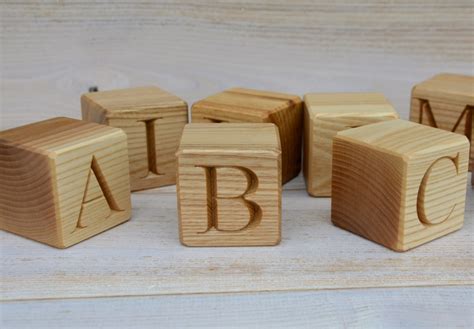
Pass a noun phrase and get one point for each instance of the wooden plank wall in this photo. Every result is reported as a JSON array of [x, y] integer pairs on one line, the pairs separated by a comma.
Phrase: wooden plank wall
[[52, 51]]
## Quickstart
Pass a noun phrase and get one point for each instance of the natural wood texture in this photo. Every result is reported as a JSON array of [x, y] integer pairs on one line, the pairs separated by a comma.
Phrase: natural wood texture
[[446, 101], [325, 115], [433, 307], [229, 185], [246, 105], [63, 180], [399, 183], [153, 120]]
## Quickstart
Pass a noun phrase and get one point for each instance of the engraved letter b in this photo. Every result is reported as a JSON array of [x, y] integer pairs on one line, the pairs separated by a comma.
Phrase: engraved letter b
[[254, 210]]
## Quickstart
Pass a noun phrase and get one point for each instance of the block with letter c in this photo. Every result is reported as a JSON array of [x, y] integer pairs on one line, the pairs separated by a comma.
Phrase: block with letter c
[[399, 183], [229, 185]]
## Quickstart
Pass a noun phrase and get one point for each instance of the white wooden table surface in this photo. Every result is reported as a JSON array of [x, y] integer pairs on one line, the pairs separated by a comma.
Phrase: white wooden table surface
[[138, 275]]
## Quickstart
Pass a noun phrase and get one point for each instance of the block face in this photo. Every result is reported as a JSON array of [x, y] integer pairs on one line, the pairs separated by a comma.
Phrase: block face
[[398, 183], [365, 199], [446, 101], [153, 121], [229, 185], [74, 180], [325, 116], [246, 105], [26, 189], [435, 194], [153, 139], [94, 189]]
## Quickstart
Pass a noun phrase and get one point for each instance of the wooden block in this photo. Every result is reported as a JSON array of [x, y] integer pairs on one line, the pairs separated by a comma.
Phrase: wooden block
[[399, 183], [153, 120], [229, 185], [446, 101], [246, 105], [325, 115], [63, 180]]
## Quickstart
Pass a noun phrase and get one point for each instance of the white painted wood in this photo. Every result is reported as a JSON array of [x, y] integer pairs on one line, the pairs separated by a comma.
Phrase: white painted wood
[[144, 257], [434, 307], [52, 51]]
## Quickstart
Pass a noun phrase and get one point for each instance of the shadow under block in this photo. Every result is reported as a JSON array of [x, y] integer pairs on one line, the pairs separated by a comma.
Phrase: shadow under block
[[63, 180], [153, 120], [399, 183], [246, 105], [229, 185], [446, 101], [324, 116]]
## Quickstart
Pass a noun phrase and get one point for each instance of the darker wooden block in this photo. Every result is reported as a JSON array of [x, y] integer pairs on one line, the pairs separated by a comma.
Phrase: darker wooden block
[[246, 105]]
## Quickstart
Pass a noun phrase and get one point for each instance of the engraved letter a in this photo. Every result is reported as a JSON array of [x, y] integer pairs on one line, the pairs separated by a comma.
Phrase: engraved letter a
[[254, 210], [97, 201]]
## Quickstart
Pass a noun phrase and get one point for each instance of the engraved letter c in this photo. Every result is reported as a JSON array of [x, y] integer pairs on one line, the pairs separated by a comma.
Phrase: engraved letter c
[[442, 165]]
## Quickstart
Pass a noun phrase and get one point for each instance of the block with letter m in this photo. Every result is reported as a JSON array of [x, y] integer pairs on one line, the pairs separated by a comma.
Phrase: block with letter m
[[446, 101]]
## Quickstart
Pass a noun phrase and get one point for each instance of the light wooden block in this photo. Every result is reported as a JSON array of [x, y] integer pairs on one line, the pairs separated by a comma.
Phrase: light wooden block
[[399, 183], [446, 101], [229, 185], [153, 120], [63, 180], [247, 105], [325, 115]]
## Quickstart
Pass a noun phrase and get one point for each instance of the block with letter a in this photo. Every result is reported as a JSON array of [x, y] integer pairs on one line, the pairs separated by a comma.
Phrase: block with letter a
[[153, 120], [229, 185], [446, 101], [399, 183], [63, 180]]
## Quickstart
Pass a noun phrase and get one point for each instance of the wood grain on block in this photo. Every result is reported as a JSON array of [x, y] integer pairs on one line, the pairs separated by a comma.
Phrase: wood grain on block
[[247, 105], [63, 180], [153, 120], [229, 185], [327, 113], [399, 183], [446, 101]]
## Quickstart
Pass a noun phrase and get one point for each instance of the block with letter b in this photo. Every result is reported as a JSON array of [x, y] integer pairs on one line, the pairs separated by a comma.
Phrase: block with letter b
[[399, 183], [446, 101], [153, 120], [63, 180], [229, 185]]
